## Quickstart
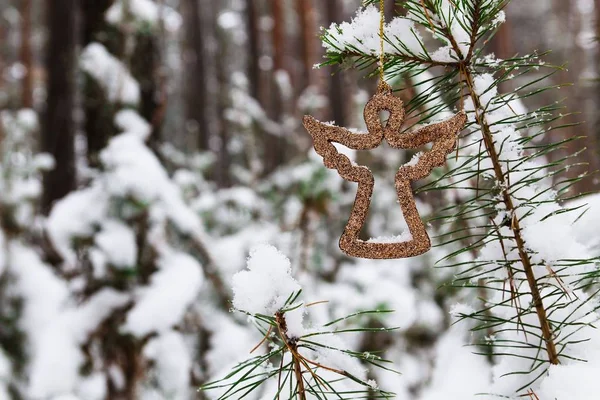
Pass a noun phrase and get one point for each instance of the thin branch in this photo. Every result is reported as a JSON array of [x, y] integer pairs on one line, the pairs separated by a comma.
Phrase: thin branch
[[515, 225], [402, 58], [474, 29]]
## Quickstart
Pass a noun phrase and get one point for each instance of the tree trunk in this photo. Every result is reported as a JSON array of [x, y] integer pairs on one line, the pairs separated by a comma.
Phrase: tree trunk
[[222, 172], [195, 73], [145, 64], [578, 97], [58, 131], [278, 34], [26, 55], [336, 86], [595, 152], [253, 48], [275, 146], [308, 29], [99, 113]]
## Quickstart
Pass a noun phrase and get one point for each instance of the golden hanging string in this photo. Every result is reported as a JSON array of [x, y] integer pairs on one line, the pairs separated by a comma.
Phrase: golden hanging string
[[381, 40]]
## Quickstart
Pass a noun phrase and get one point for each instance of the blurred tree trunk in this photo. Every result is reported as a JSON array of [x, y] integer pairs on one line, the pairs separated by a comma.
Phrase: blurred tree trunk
[[256, 88], [275, 146], [253, 48], [278, 34], [195, 73], [222, 173], [596, 121], [58, 130], [26, 55], [336, 90], [99, 113], [578, 96], [502, 46], [145, 65], [308, 29], [2, 56]]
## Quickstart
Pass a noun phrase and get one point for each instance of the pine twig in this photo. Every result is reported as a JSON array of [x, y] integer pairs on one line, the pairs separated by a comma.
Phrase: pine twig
[[515, 226]]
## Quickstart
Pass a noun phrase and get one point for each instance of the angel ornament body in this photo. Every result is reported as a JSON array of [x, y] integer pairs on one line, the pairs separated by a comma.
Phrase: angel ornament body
[[444, 137]]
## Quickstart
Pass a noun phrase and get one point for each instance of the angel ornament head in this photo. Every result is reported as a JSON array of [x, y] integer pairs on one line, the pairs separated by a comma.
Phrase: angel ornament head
[[443, 135]]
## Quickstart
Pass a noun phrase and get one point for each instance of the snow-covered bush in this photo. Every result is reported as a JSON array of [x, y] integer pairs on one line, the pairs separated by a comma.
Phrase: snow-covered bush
[[20, 191], [119, 244]]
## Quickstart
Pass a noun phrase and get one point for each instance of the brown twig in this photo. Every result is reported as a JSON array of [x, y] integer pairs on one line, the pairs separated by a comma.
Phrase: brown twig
[[264, 339], [292, 348], [404, 58], [531, 394], [515, 225], [514, 298], [474, 29], [427, 15], [298, 359], [463, 67]]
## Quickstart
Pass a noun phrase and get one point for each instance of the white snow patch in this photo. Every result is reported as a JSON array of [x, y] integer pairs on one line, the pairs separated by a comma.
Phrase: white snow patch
[[133, 170], [165, 301], [267, 283], [362, 34], [77, 215], [130, 121], [172, 364], [117, 241], [414, 160], [403, 237], [110, 73], [146, 11], [57, 356], [458, 373]]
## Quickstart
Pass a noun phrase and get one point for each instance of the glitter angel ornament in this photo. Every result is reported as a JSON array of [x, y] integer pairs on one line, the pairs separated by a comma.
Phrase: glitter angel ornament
[[444, 137]]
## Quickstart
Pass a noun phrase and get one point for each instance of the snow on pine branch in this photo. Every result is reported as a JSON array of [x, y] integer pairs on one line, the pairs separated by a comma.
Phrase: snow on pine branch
[[551, 248], [267, 284], [163, 303], [145, 11], [362, 35], [55, 325], [402, 33], [268, 293], [132, 171], [99, 227], [110, 73]]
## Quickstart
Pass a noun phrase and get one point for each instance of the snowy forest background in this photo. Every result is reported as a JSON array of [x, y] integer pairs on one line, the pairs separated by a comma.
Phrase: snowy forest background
[[148, 147]]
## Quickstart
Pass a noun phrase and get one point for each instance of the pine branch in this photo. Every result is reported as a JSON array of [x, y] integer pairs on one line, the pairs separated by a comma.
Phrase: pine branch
[[515, 225]]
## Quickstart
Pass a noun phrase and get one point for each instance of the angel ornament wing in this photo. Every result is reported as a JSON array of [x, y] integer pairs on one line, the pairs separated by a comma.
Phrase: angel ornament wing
[[443, 135]]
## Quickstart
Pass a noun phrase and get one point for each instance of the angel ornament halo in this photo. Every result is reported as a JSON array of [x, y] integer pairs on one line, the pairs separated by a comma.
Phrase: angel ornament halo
[[444, 137]]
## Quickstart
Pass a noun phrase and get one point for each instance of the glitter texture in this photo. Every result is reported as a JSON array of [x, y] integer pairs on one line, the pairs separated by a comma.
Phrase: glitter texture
[[444, 137]]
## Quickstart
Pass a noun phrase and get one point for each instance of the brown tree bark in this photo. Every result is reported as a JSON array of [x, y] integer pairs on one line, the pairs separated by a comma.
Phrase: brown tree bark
[[195, 73], [308, 29], [222, 173], [336, 86], [502, 47], [275, 146], [99, 113], [26, 55], [578, 96], [278, 34], [58, 129], [145, 65], [254, 75], [595, 152]]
